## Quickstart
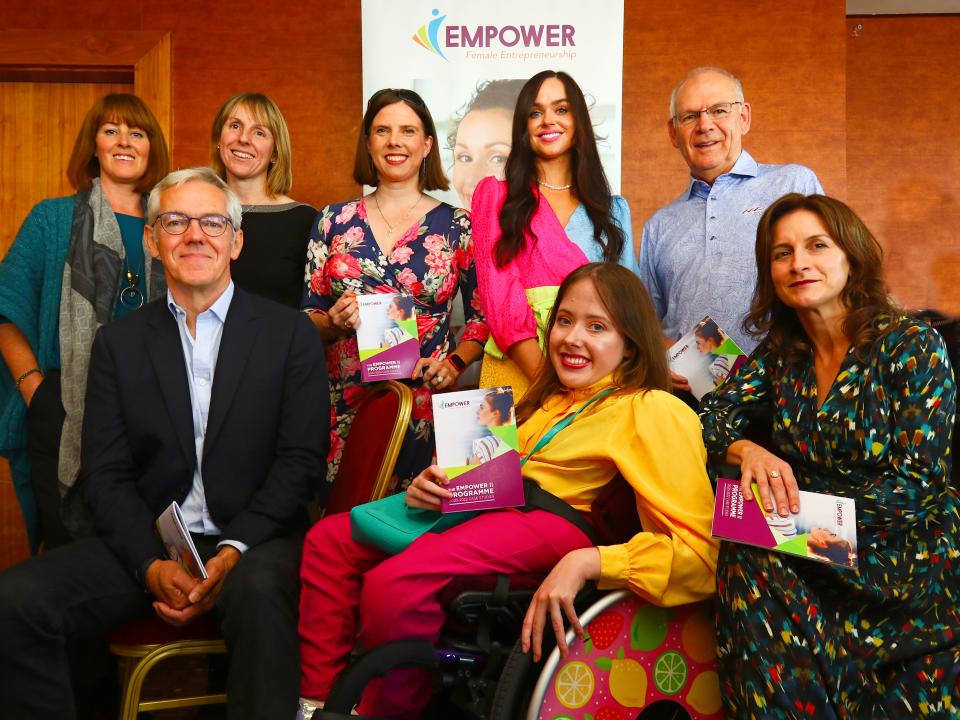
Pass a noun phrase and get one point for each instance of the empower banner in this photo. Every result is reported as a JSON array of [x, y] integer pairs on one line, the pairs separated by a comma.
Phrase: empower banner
[[468, 61]]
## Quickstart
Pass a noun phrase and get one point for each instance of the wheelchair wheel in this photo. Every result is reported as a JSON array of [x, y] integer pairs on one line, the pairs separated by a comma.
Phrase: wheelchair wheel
[[639, 662], [514, 690]]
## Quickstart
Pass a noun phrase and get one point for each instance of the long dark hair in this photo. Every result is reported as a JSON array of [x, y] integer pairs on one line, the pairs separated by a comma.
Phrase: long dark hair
[[589, 180], [864, 296], [631, 310]]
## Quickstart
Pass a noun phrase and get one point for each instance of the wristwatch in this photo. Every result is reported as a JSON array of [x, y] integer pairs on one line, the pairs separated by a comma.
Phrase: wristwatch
[[457, 362]]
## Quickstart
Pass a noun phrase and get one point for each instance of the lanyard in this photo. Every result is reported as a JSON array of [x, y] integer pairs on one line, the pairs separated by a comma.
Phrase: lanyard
[[548, 436]]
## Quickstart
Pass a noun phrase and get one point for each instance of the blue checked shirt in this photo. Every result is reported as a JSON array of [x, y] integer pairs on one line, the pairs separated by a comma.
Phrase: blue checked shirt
[[200, 355], [697, 253]]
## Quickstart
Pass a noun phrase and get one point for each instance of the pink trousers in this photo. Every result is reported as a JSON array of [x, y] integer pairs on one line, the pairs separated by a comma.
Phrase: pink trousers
[[353, 592]]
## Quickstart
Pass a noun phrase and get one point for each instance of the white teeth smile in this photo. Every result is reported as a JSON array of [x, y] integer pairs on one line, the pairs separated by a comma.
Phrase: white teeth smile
[[123, 157], [396, 158], [242, 155], [574, 360], [550, 135]]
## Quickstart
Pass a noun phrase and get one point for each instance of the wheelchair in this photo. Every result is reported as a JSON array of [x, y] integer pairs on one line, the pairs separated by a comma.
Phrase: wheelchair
[[638, 661]]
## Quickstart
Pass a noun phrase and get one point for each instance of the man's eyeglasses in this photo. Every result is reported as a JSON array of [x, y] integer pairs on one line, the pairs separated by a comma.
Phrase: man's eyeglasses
[[718, 113], [175, 223]]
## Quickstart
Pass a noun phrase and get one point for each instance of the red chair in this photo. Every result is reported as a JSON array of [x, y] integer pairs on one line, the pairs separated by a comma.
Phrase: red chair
[[371, 451], [147, 641]]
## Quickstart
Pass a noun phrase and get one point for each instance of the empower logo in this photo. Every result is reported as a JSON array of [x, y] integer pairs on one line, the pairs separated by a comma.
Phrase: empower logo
[[426, 36], [491, 36]]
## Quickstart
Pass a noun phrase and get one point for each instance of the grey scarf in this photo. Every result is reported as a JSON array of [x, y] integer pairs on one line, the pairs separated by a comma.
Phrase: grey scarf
[[92, 278]]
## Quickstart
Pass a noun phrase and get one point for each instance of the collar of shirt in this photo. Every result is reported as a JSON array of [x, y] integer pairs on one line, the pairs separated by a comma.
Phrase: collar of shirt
[[557, 406], [219, 308], [567, 397], [745, 166]]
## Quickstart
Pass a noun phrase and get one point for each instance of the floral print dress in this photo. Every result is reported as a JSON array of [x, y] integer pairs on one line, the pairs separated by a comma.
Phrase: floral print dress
[[431, 261], [797, 639]]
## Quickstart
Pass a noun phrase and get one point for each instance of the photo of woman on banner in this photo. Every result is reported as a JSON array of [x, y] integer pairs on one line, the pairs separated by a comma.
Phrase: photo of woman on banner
[[553, 213], [480, 139]]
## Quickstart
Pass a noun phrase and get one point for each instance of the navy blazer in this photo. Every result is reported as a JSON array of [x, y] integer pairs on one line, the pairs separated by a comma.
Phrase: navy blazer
[[267, 429]]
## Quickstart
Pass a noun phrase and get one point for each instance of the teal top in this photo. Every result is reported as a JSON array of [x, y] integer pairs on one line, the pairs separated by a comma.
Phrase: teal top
[[131, 232]]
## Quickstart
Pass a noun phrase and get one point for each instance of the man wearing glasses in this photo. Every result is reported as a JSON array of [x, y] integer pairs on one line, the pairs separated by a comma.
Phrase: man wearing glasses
[[216, 399], [697, 253]]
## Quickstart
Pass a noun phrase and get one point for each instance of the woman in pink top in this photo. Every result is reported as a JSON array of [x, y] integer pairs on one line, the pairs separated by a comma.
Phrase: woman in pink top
[[552, 214]]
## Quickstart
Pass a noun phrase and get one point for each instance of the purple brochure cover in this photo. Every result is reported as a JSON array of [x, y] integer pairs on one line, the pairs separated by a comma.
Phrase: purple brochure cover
[[735, 519], [823, 530], [394, 363], [494, 484]]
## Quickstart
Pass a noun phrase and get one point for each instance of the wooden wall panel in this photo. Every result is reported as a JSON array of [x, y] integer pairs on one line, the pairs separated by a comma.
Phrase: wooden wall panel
[[904, 166], [13, 534], [153, 83]]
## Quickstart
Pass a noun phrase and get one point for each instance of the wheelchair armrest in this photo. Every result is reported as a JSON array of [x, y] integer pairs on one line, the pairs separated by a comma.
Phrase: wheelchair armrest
[[376, 663]]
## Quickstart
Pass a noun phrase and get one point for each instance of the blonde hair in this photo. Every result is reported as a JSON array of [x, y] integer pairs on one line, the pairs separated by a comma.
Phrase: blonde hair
[[266, 111]]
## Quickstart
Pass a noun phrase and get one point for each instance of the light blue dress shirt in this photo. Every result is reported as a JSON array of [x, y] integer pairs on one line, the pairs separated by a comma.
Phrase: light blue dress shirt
[[697, 253], [580, 230], [200, 355]]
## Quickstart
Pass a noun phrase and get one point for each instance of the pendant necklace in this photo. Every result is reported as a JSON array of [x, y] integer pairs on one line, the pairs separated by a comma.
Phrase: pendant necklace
[[391, 228], [131, 296]]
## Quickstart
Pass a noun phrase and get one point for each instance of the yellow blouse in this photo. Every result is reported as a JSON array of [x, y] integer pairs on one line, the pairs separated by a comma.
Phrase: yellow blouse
[[654, 440]]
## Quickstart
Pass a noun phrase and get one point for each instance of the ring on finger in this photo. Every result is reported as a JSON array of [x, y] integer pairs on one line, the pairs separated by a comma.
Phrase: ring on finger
[[774, 473]]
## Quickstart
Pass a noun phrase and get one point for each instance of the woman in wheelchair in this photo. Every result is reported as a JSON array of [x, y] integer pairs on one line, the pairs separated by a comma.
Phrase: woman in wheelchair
[[863, 405], [606, 368]]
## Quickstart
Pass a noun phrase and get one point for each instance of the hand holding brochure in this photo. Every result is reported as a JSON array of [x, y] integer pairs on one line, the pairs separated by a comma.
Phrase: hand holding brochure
[[705, 356], [178, 543], [825, 529], [387, 337], [477, 447]]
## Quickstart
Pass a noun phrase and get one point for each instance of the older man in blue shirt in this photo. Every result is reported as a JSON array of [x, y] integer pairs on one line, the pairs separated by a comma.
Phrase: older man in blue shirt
[[697, 253]]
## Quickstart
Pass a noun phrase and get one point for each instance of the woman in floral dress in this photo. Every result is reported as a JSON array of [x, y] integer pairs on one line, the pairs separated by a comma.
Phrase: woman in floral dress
[[863, 403], [396, 239]]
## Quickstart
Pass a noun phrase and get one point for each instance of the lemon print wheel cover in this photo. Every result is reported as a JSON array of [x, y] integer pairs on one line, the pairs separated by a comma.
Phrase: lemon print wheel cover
[[670, 672], [574, 685]]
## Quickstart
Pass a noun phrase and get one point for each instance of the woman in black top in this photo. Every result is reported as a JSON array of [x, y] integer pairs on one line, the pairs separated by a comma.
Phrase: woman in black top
[[250, 149]]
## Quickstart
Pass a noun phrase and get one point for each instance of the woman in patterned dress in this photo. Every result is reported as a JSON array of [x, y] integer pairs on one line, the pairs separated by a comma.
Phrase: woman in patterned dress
[[863, 400], [396, 239]]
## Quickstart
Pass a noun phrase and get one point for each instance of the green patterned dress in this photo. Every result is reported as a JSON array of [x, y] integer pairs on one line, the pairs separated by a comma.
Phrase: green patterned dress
[[797, 639]]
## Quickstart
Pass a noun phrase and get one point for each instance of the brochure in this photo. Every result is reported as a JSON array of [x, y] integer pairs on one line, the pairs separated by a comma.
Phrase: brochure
[[477, 447], [387, 337], [705, 356], [178, 543], [825, 529]]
